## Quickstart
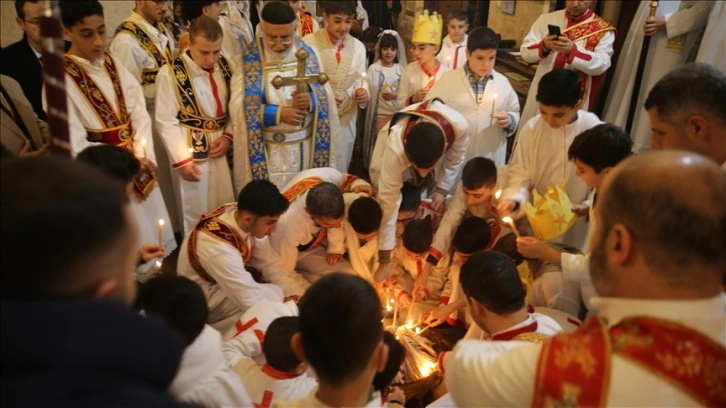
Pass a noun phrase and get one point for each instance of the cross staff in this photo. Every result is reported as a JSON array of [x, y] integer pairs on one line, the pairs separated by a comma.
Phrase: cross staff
[[300, 80], [54, 73]]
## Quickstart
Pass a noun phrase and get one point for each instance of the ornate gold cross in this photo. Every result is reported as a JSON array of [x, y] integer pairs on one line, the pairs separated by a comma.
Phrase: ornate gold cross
[[300, 80]]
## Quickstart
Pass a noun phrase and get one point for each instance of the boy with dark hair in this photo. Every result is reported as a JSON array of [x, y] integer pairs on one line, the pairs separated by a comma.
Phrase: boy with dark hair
[[203, 375], [345, 359], [118, 117], [473, 197], [409, 207], [344, 60], [196, 127], [428, 151], [382, 380], [408, 260], [472, 235], [594, 152], [228, 254], [122, 165], [539, 161], [453, 47], [483, 95], [311, 238], [420, 75], [70, 230], [282, 377]]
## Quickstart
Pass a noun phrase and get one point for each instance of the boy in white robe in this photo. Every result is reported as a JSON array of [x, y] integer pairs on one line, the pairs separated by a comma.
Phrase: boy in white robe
[[283, 377], [484, 96], [229, 255], [106, 106], [584, 46], [361, 225], [144, 44], [345, 360], [204, 376], [343, 58], [539, 160], [453, 46], [425, 143], [192, 117], [247, 336], [421, 75], [316, 212], [594, 152]]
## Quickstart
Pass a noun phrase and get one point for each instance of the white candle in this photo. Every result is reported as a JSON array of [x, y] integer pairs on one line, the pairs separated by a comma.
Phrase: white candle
[[498, 194], [161, 232], [363, 79], [494, 102], [510, 221], [143, 146]]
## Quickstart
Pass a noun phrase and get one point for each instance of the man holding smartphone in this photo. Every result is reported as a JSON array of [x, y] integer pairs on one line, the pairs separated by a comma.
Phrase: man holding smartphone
[[574, 38]]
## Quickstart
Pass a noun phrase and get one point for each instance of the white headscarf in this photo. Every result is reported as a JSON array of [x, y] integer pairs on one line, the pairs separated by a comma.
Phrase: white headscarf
[[401, 51]]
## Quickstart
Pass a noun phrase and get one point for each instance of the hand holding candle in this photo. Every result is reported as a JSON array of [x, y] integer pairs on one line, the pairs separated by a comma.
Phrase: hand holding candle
[[494, 104], [363, 78], [161, 232], [510, 221]]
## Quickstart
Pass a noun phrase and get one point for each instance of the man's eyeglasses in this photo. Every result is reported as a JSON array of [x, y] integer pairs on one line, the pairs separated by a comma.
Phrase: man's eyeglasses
[[280, 40], [35, 21]]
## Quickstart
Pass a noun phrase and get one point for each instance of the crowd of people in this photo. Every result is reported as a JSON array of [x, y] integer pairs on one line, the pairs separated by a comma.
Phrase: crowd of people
[[582, 270]]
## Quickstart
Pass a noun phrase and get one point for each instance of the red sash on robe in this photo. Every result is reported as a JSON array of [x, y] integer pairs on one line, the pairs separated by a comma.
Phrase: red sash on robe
[[117, 126], [592, 32], [574, 369], [210, 224], [306, 24]]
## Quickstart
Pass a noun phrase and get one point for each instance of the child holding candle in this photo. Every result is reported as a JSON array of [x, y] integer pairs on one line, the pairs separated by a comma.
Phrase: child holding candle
[[594, 152], [344, 60], [421, 75], [482, 95], [453, 47], [384, 77]]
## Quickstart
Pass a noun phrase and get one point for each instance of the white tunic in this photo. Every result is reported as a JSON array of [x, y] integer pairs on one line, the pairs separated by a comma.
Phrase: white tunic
[[453, 55], [266, 385], [134, 57], [380, 79], [486, 139], [576, 267], [81, 116], [390, 166], [346, 77], [503, 373], [215, 187], [413, 79], [591, 63], [284, 160], [311, 401], [235, 290], [247, 335], [660, 61], [204, 377], [363, 258], [540, 160], [296, 227]]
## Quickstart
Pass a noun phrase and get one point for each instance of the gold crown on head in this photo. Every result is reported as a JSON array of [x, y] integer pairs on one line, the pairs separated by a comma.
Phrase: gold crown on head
[[427, 28], [550, 215]]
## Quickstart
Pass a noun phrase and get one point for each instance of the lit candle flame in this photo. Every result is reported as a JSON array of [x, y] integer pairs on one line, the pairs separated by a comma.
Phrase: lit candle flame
[[191, 151], [498, 194], [388, 308], [161, 223], [143, 142], [418, 330], [409, 324], [510, 221], [158, 265]]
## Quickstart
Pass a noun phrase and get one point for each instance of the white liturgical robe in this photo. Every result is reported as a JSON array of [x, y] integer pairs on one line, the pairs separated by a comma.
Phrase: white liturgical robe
[[82, 117], [486, 139], [668, 49], [214, 188], [592, 63], [204, 376], [503, 373], [390, 166], [346, 76], [414, 79], [234, 290], [266, 384], [540, 161], [453, 55]]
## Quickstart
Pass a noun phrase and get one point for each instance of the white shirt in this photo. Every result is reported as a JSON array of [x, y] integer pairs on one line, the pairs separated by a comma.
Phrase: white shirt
[[266, 385], [389, 165], [452, 54], [486, 139], [540, 160], [204, 377], [503, 373], [312, 401], [224, 263]]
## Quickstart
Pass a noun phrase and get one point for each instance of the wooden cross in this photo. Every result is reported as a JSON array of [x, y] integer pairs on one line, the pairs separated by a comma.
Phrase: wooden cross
[[300, 80]]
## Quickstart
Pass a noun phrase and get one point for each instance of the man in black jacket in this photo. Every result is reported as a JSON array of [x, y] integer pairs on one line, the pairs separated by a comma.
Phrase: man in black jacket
[[66, 282]]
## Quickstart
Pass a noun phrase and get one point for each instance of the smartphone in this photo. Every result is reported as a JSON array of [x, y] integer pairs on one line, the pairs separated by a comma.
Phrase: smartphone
[[554, 30]]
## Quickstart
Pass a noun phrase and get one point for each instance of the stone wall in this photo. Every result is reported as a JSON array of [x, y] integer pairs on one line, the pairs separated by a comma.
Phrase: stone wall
[[114, 12], [516, 26]]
